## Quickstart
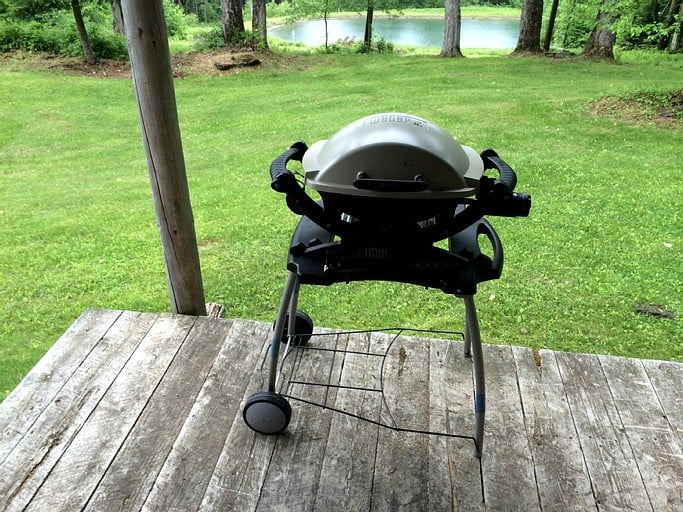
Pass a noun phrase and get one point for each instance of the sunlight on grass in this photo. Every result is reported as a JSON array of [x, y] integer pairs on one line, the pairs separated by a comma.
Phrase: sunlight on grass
[[605, 231]]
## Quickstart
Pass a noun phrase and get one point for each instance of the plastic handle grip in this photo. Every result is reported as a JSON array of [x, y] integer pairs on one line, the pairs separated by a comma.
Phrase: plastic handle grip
[[485, 229], [493, 161], [280, 176]]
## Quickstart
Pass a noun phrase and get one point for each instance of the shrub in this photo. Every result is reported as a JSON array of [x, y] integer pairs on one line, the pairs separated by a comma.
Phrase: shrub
[[176, 20], [107, 45], [210, 40]]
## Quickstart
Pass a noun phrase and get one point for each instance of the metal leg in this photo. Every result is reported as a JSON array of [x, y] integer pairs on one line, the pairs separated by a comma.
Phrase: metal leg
[[291, 325], [474, 341], [291, 286], [468, 336]]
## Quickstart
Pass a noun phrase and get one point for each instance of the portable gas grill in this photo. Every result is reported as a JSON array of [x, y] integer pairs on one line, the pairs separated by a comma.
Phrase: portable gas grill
[[391, 186]]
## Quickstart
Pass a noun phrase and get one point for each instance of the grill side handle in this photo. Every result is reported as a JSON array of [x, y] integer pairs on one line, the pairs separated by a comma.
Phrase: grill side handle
[[282, 178], [497, 196], [284, 181]]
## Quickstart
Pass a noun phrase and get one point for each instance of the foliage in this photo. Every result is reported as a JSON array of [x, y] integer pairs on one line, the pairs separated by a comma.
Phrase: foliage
[[350, 46], [213, 39], [210, 39], [55, 33], [640, 23], [37, 26], [176, 20], [575, 20]]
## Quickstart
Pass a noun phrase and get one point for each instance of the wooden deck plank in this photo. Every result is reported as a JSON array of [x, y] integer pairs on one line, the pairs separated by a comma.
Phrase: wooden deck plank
[[401, 479], [293, 476], [241, 468], [562, 477], [26, 403], [455, 476], [198, 446], [140, 411], [91, 451], [348, 467], [128, 479], [614, 474], [656, 450], [31, 461], [509, 480], [666, 378]]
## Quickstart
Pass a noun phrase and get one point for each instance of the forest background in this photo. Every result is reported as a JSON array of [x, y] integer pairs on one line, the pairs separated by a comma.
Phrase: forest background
[[48, 25]]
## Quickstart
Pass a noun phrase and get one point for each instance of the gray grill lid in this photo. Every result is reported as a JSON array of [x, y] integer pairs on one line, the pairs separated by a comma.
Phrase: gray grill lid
[[393, 146]]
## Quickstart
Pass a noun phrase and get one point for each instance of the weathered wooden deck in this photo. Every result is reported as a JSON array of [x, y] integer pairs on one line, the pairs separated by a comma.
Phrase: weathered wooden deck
[[132, 411]]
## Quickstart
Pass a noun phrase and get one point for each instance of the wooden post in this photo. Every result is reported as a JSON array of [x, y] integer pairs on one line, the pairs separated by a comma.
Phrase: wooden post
[[150, 60]]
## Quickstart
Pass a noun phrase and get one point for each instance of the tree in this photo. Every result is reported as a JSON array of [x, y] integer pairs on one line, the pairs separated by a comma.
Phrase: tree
[[232, 20], [529, 40], [676, 45], [258, 21], [117, 15], [551, 25], [675, 10], [367, 36], [451, 34], [600, 44], [83, 33]]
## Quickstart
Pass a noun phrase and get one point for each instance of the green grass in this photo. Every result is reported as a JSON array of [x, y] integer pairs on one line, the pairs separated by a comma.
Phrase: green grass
[[605, 232]]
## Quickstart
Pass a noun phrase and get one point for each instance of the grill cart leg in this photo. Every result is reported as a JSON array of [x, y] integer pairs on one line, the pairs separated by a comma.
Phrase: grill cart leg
[[473, 346], [289, 299], [268, 412]]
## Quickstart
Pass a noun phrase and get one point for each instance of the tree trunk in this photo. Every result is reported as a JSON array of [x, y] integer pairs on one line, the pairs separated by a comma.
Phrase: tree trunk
[[451, 33], [88, 54], [529, 40], [367, 37], [327, 28], [258, 21], [551, 25], [674, 7], [150, 61], [233, 20], [676, 45], [117, 16], [600, 44]]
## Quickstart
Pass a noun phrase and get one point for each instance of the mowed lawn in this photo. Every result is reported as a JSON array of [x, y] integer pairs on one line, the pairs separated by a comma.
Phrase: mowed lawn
[[605, 233]]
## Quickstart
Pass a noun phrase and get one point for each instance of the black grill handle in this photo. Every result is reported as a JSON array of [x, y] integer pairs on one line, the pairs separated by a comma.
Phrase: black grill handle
[[493, 161], [282, 179], [497, 196]]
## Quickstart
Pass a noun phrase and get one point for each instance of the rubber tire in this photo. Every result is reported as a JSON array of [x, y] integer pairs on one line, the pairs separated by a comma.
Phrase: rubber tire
[[267, 413], [303, 326]]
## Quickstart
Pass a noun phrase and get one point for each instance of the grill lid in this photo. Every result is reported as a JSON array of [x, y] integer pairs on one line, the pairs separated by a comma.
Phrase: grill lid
[[393, 155]]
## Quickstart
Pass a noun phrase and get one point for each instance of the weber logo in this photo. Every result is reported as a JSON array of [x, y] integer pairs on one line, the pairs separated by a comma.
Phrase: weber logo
[[396, 118]]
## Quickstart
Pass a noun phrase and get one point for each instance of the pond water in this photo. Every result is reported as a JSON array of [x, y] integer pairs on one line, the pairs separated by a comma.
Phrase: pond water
[[476, 33]]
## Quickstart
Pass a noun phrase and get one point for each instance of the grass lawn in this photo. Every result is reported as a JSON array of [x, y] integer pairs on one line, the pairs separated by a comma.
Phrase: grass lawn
[[604, 236]]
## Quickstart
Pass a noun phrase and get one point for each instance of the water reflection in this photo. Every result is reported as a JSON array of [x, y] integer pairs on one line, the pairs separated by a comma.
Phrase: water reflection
[[476, 33]]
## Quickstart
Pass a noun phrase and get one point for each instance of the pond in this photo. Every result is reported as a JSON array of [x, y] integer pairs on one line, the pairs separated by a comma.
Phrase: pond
[[476, 33]]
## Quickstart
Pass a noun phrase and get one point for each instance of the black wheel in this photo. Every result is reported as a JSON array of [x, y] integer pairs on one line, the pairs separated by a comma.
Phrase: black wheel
[[303, 327], [267, 413]]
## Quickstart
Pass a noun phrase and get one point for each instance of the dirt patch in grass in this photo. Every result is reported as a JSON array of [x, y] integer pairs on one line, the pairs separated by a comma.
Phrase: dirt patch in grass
[[183, 64], [664, 109]]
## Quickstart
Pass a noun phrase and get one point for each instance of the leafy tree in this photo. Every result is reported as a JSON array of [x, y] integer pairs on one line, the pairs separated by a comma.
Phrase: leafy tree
[[83, 33], [232, 20], [369, 15], [451, 35], [117, 16], [551, 25], [529, 40], [258, 21], [601, 41]]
